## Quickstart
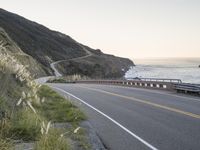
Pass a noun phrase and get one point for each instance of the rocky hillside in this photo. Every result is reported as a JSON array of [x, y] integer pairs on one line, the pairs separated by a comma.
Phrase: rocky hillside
[[47, 46]]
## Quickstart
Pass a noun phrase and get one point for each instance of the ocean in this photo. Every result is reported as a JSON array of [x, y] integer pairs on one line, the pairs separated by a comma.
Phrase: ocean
[[186, 69]]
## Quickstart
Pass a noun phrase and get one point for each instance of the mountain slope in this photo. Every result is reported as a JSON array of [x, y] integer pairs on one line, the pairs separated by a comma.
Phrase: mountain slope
[[47, 46], [12, 49]]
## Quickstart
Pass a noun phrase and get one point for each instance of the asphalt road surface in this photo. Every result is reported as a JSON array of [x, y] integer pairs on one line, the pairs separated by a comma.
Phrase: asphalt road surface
[[138, 119]]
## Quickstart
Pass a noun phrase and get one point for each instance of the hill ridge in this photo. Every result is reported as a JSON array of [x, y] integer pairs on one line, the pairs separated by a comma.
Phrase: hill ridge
[[47, 46]]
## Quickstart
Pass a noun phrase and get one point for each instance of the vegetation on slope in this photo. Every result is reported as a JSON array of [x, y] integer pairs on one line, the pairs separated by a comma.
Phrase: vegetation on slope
[[47, 46], [97, 66], [12, 49], [68, 79], [38, 41], [28, 111]]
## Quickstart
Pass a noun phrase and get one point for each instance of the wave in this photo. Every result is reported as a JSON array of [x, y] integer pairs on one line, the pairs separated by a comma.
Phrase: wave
[[187, 71]]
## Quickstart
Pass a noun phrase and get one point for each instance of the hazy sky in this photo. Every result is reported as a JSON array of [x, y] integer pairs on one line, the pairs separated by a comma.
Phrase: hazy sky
[[129, 28]]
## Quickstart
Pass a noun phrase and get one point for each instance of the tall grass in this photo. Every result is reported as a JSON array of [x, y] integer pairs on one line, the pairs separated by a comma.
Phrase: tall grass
[[5, 144], [58, 109], [31, 116], [25, 125], [52, 141], [24, 122]]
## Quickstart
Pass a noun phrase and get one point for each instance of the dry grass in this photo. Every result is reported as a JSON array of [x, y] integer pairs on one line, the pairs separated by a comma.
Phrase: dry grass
[[52, 141]]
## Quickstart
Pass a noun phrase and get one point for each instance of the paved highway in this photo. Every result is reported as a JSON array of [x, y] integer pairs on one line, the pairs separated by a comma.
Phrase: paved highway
[[136, 119], [53, 65]]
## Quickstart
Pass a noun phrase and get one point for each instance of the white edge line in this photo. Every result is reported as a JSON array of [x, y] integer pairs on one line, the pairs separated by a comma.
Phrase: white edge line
[[115, 122]]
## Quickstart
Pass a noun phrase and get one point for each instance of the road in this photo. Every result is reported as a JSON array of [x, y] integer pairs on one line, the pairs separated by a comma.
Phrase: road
[[43, 80], [128, 118], [53, 65]]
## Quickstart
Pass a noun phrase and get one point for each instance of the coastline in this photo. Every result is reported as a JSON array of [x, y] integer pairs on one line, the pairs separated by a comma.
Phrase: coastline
[[185, 69]]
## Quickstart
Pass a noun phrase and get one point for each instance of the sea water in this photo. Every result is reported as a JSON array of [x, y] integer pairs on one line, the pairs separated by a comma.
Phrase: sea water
[[186, 69]]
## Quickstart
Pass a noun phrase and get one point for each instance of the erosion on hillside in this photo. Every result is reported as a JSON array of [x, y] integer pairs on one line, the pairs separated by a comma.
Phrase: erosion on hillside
[[47, 46]]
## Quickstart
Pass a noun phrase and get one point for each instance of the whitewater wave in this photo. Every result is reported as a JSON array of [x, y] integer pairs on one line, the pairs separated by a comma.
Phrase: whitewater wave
[[187, 71]]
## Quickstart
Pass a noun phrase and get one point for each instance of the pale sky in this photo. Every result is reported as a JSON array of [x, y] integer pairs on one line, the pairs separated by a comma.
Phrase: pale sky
[[128, 28]]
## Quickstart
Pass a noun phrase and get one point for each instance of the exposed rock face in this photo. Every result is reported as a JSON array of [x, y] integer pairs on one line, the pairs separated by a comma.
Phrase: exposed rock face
[[47, 46]]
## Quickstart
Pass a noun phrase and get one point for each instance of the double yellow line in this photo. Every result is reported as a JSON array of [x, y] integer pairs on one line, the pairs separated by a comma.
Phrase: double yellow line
[[147, 103]]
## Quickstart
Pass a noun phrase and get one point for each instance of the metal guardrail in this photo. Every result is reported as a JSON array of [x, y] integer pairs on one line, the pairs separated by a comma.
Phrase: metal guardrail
[[151, 83], [157, 80], [187, 88], [157, 84]]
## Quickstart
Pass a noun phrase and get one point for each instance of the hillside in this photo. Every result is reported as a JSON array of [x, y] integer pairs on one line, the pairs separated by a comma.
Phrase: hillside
[[47, 46], [12, 49], [30, 114]]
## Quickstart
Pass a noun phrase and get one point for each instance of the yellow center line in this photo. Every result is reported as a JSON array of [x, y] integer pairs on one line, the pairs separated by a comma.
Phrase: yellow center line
[[148, 103]]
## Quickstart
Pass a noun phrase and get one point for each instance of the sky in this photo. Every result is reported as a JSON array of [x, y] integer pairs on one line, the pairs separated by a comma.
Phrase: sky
[[126, 28]]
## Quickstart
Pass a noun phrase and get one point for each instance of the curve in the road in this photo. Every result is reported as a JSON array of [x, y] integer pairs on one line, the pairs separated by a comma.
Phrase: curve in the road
[[111, 119], [147, 103], [53, 65], [144, 113]]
